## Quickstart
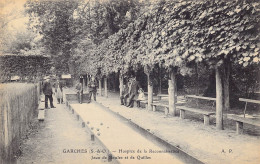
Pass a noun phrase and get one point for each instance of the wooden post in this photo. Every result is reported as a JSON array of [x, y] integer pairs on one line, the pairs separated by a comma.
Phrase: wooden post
[[160, 80], [83, 85], [83, 125], [239, 127], [87, 88], [99, 87], [172, 92], [92, 137], [150, 93], [114, 81], [219, 100], [166, 111], [206, 119], [226, 84], [197, 83], [105, 86], [154, 108], [182, 114]]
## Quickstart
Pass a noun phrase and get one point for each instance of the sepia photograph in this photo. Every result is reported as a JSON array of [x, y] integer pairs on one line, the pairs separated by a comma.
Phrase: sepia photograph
[[129, 81]]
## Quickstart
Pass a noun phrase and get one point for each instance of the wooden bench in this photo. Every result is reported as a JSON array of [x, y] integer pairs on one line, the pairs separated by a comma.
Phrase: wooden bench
[[166, 107], [240, 121], [146, 93], [162, 95], [203, 98], [146, 103], [206, 114], [248, 101]]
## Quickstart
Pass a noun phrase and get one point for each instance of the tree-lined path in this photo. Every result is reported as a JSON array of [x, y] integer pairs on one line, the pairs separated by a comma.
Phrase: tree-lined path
[[203, 54]]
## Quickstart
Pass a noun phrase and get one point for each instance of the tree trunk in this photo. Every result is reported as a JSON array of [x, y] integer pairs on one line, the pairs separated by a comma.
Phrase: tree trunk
[[172, 91], [197, 80], [105, 86], [150, 92], [121, 83], [114, 82], [99, 87], [226, 84], [160, 81], [83, 85], [87, 84], [219, 100]]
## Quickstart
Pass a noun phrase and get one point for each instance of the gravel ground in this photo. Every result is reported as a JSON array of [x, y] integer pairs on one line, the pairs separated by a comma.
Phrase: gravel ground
[[59, 139], [203, 142]]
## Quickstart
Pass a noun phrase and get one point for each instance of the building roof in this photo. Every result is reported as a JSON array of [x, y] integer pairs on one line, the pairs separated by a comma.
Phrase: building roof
[[15, 77], [68, 76]]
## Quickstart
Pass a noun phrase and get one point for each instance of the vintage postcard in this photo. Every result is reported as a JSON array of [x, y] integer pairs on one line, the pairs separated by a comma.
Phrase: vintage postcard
[[129, 81]]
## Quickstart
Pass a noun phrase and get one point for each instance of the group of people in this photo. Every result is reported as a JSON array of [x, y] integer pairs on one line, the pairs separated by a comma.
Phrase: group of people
[[47, 88], [130, 91], [48, 92], [92, 85]]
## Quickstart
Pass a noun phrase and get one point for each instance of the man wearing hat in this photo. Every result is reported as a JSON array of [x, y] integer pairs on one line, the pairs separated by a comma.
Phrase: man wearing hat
[[47, 91]]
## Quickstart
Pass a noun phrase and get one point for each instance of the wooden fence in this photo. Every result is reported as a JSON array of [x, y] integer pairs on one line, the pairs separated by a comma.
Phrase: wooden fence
[[18, 103]]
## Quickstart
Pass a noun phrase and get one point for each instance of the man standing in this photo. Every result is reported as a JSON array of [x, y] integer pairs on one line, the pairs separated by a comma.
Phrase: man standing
[[47, 91], [92, 88], [133, 91]]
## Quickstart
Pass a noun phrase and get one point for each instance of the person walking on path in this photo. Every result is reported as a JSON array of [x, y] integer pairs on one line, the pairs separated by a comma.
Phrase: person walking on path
[[59, 92], [133, 90], [79, 91], [92, 88], [47, 91]]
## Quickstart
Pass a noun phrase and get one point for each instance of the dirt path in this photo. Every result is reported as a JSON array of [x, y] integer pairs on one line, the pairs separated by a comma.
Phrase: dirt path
[[59, 139]]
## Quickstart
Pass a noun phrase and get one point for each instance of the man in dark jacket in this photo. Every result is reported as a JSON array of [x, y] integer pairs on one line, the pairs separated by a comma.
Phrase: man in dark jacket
[[133, 90], [47, 91]]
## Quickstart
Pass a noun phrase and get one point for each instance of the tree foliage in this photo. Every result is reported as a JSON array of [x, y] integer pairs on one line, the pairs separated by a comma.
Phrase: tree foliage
[[179, 33], [108, 36], [23, 65], [53, 19], [97, 21]]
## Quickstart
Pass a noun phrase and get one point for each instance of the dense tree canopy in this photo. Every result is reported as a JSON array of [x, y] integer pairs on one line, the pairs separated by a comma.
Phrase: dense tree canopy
[[182, 32], [111, 36]]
